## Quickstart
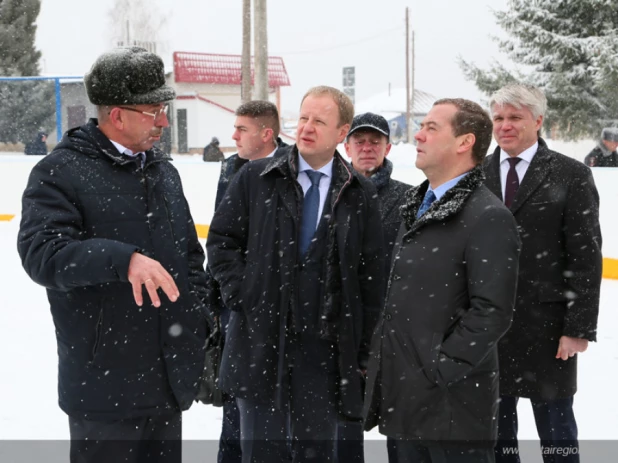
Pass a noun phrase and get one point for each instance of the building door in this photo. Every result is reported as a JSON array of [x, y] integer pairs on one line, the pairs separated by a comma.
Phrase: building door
[[181, 123], [76, 116]]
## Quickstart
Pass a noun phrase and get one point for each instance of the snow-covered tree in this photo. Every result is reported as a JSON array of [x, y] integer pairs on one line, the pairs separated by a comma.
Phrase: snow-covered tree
[[569, 48], [26, 106], [138, 22]]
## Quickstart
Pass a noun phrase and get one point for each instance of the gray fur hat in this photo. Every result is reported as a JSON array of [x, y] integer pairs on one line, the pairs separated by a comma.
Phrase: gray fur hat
[[127, 75], [610, 134]]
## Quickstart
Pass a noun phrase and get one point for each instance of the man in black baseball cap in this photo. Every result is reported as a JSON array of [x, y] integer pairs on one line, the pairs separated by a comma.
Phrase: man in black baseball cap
[[106, 229], [368, 144]]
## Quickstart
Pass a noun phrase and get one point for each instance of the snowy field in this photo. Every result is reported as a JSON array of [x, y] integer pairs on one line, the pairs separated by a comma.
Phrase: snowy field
[[32, 427]]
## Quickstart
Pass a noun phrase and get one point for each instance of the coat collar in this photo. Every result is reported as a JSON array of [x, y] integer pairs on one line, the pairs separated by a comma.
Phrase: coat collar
[[107, 148], [537, 171], [450, 204], [285, 162]]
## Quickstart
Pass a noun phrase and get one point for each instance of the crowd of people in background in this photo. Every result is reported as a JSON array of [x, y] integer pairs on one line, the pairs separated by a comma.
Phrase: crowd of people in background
[[348, 300]]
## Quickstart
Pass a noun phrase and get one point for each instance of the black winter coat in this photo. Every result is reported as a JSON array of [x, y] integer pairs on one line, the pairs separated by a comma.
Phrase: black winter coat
[[601, 157], [252, 252], [433, 374], [560, 271], [392, 196], [86, 210], [229, 169]]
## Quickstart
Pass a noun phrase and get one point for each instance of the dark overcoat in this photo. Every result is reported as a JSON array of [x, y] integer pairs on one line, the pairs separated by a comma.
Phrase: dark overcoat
[[391, 194], [86, 210], [252, 253], [560, 269], [433, 373]]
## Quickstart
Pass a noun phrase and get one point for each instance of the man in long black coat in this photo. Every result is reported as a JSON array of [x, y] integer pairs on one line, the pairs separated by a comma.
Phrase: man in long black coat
[[432, 383], [104, 221], [556, 205], [256, 133], [296, 246]]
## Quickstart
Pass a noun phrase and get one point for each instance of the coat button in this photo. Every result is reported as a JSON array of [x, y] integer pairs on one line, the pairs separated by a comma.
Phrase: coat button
[[388, 317]]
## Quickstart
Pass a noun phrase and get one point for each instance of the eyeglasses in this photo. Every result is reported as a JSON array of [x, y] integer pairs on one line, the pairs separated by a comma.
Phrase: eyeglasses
[[155, 115]]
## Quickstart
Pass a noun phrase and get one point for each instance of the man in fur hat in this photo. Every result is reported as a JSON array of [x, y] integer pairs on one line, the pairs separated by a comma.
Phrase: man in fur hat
[[107, 230], [604, 154]]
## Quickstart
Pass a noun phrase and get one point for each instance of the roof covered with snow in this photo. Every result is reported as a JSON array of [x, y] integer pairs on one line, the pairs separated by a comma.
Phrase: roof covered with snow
[[395, 102], [209, 68]]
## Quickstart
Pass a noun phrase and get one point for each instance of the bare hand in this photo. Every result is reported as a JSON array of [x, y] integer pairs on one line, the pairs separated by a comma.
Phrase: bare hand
[[568, 347], [150, 273]]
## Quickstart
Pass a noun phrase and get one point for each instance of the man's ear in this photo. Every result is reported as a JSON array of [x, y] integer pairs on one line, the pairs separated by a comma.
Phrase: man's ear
[[267, 133], [466, 143], [116, 118], [343, 132], [388, 149]]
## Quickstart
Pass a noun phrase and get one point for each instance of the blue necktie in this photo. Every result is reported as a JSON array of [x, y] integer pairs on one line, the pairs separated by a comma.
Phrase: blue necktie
[[429, 198], [311, 206]]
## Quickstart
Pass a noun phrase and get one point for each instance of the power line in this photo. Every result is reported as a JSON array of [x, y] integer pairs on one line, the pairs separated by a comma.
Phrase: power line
[[343, 45]]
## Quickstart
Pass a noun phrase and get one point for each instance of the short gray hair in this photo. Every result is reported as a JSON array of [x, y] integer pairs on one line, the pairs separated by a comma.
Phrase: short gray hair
[[520, 95]]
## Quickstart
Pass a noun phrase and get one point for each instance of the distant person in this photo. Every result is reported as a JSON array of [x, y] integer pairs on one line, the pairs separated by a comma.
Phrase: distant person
[[38, 145], [556, 205], [368, 145], [604, 154], [107, 230], [212, 153], [432, 383], [256, 133]]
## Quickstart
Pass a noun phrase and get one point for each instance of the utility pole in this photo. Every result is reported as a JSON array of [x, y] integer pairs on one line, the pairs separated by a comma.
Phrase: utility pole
[[245, 62], [412, 92], [408, 100], [261, 50]]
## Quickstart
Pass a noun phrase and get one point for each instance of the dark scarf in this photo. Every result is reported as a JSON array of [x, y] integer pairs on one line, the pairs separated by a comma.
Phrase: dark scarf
[[382, 176]]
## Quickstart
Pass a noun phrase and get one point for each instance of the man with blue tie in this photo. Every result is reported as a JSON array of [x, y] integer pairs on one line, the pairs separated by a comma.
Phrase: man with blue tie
[[298, 253], [432, 382]]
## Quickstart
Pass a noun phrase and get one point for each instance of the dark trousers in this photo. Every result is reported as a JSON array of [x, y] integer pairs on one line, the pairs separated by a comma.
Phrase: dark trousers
[[305, 427], [350, 444], [410, 452], [229, 442], [152, 439], [555, 424]]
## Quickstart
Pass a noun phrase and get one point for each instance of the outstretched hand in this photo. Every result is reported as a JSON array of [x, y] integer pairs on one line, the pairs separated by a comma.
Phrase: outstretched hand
[[568, 347], [150, 273]]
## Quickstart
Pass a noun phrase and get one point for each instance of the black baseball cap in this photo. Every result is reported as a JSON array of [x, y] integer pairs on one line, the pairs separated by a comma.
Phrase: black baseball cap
[[370, 121]]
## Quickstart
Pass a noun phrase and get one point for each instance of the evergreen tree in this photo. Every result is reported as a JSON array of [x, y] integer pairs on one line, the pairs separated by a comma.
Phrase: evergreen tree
[[568, 48], [27, 106]]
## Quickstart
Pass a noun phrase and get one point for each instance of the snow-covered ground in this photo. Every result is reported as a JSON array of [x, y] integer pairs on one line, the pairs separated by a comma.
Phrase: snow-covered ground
[[29, 412]]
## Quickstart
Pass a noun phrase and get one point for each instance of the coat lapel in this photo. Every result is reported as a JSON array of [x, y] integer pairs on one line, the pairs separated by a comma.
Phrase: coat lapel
[[537, 171], [492, 174]]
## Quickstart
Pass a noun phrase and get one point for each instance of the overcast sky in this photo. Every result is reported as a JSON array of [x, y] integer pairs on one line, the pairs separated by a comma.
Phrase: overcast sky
[[316, 38]]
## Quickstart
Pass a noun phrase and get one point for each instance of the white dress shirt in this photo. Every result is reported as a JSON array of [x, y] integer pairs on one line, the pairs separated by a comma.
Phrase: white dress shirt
[[305, 181], [124, 150], [521, 167]]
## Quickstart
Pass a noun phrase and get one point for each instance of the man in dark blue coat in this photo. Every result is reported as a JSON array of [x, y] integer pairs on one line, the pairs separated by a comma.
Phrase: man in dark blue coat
[[256, 133], [297, 249], [104, 218]]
